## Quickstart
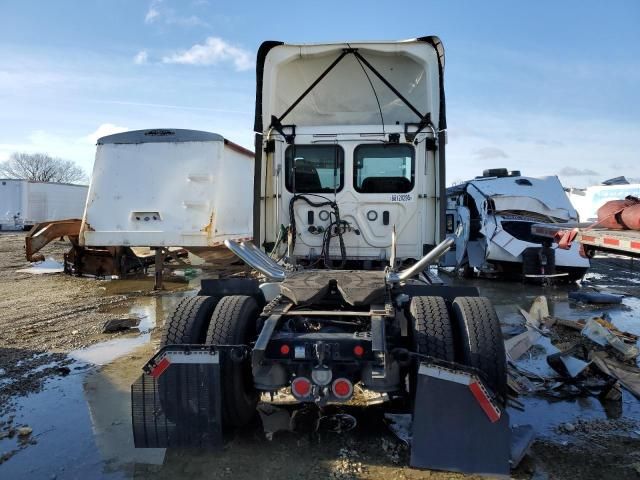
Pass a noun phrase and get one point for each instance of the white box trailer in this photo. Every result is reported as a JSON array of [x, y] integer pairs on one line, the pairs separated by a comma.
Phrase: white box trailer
[[588, 200], [169, 188], [24, 203]]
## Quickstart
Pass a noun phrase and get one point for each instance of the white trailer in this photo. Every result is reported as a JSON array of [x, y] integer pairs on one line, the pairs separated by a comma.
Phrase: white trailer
[[588, 200], [24, 203], [169, 188]]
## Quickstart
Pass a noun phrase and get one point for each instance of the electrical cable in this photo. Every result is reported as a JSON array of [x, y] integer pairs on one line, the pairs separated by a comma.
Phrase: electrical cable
[[374, 91], [334, 226]]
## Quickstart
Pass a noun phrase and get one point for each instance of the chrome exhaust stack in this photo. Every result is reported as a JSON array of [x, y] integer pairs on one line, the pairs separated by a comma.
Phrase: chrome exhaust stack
[[257, 259], [432, 257]]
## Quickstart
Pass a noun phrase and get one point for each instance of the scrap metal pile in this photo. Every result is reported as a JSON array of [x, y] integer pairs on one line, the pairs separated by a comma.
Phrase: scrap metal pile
[[562, 358]]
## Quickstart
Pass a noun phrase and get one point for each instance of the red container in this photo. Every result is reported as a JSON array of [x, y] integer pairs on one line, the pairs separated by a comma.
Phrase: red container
[[607, 214], [631, 217]]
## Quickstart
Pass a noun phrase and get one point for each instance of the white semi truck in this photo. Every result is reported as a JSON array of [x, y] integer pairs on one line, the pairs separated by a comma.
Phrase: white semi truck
[[348, 213]]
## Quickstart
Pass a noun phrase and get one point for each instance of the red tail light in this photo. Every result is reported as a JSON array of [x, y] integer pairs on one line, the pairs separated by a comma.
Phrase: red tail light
[[301, 387], [342, 388], [358, 350], [284, 349]]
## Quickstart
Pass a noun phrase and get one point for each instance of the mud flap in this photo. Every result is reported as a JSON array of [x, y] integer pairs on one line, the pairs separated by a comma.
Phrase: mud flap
[[457, 426], [176, 401]]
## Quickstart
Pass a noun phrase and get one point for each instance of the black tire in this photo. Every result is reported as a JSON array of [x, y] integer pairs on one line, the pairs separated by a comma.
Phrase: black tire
[[431, 328], [186, 324], [189, 321], [431, 334], [479, 340], [234, 323]]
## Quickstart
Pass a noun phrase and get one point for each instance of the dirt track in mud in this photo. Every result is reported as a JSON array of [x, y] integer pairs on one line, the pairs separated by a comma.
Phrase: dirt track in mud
[[73, 389]]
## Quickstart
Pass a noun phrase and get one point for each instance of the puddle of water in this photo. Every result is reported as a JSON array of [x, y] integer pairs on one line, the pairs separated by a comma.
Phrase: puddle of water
[[81, 423], [106, 352], [151, 311], [546, 415], [61, 423]]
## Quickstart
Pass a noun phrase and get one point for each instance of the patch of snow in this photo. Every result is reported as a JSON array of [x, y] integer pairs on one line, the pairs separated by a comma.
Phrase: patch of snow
[[47, 266]]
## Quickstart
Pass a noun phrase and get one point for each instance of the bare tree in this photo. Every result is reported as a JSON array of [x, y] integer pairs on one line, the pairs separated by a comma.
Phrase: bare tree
[[41, 167]]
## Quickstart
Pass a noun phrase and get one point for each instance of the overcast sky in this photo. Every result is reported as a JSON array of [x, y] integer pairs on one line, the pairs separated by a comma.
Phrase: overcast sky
[[546, 87]]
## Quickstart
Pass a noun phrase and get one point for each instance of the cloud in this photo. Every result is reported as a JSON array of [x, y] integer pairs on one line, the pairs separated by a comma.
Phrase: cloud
[[577, 172], [104, 130], [214, 51], [158, 12], [153, 12], [141, 57], [487, 153]]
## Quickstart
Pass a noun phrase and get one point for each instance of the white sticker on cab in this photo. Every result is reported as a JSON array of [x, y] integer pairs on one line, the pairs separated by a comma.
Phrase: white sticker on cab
[[405, 197]]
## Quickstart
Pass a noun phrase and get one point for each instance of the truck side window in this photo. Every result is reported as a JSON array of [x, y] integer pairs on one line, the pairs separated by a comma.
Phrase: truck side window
[[319, 168], [384, 168]]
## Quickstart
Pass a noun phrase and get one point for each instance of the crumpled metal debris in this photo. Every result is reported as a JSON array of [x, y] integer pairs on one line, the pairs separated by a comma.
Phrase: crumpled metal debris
[[603, 337], [538, 366], [627, 375], [566, 364]]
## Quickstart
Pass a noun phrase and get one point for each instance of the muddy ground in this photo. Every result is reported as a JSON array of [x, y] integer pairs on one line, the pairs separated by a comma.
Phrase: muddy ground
[[67, 384]]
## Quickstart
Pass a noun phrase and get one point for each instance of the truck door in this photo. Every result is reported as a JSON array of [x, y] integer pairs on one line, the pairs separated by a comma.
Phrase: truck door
[[316, 175], [386, 194]]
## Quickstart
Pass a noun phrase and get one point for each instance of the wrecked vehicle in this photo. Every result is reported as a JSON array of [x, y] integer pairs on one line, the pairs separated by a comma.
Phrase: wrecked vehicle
[[496, 212], [348, 215]]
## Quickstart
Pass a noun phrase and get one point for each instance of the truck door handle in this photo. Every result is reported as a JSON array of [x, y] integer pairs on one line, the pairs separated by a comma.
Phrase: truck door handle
[[385, 217], [310, 217]]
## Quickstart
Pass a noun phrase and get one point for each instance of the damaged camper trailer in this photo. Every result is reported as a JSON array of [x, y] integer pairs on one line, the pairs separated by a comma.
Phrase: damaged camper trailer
[[495, 213]]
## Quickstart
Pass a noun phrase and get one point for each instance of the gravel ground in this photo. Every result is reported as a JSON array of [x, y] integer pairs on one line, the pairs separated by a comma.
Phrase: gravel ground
[[43, 317]]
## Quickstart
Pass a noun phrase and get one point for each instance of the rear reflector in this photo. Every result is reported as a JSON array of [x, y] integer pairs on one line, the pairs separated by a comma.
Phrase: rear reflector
[[342, 388], [284, 349], [160, 367], [484, 401], [358, 350], [301, 387]]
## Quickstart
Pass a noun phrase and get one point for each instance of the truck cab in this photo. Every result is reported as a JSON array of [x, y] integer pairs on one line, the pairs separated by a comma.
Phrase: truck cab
[[350, 148]]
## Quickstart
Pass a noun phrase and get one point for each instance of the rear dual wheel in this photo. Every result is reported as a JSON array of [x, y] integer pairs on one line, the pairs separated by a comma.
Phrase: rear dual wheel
[[189, 320], [186, 324], [233, 322], [431, 334], [469, 335], [431, 328], [230, 320], [479, 342]]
